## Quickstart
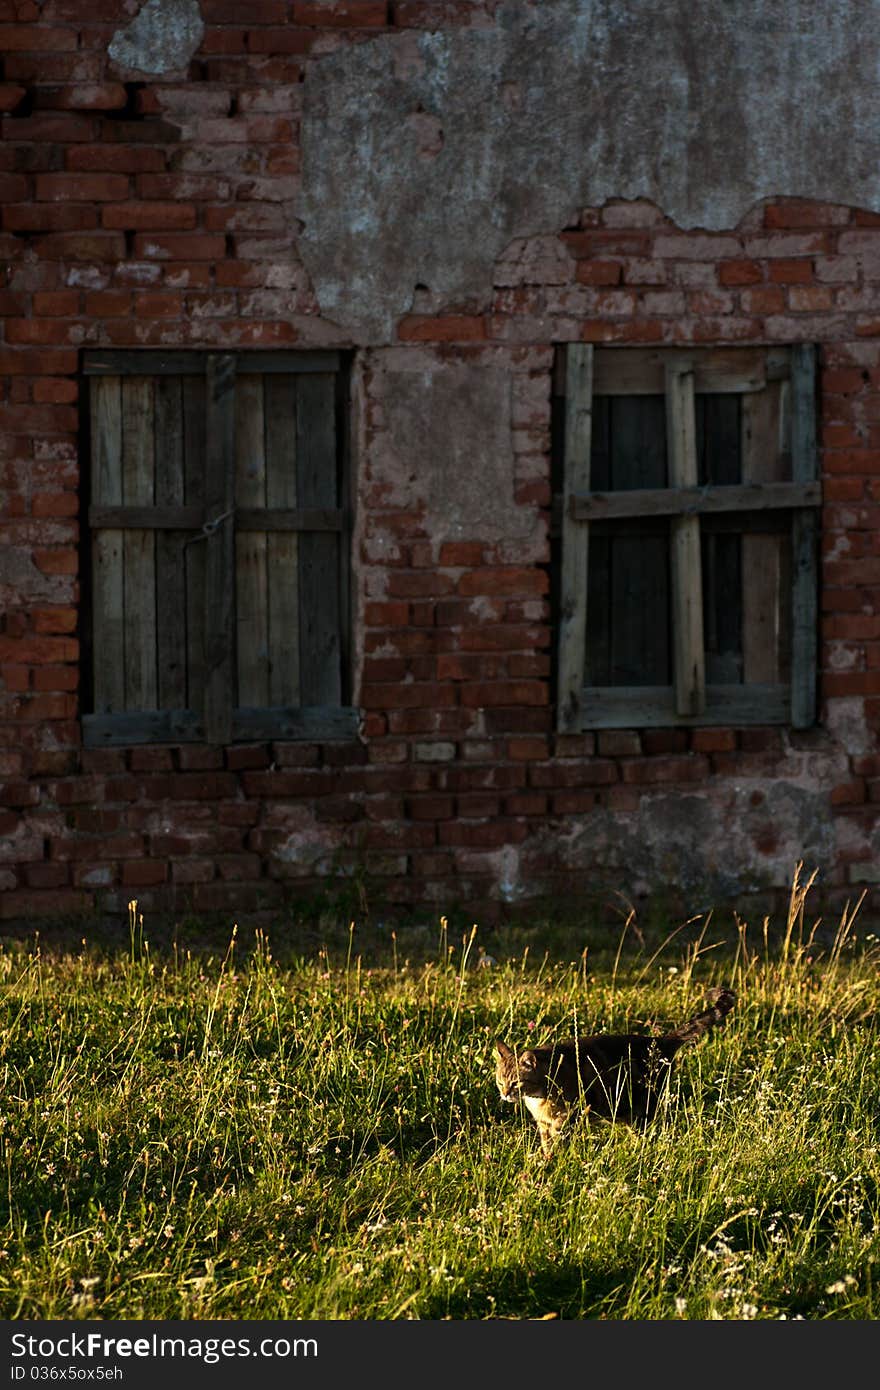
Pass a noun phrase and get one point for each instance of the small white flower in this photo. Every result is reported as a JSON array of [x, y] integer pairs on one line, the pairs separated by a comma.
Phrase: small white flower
[[680, 1306]]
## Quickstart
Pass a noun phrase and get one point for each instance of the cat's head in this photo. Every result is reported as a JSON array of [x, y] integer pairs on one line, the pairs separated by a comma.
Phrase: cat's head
[[516, 1076]]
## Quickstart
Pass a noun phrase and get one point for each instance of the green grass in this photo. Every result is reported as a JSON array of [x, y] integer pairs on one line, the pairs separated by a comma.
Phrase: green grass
[[198, 1135]]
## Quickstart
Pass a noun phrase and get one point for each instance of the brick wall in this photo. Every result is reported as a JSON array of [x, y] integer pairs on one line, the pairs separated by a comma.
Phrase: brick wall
[[144, 211]]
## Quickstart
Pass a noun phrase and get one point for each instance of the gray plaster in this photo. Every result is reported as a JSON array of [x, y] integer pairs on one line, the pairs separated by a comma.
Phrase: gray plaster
[[450, 439], [709, 846], [425, 155], [161, 38]]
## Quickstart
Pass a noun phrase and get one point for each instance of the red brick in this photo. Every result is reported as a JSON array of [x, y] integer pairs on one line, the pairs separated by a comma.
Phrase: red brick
[[80, 187], [459, 554], [101, 304], [10, 96], [691, 768], [120, 159], [414, 696], [39, 650], [30, 332], [766, 299], [430, 808], [799, 212], [258, 11], [598, 272], [618, 743], [82, 246], [527, 749], [279, 40], [791, 272], [179, 247], [386, 614], [417, 328], [810, 298], [740, 273], [46, 904], [482, 693], [29, 362], [149, 216], [56, 391], [851, 793], [143, 873], [624, 331], [348, 14], [44, 38], [664, 741], [512, 580], [83, 96], [573, 803], [48, 217], [151, 305], [47, 875], [835, 684], [713, 740], [419, 584], [56, 678]]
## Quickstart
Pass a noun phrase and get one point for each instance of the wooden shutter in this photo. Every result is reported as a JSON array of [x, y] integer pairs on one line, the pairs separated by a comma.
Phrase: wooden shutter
[[738, 484], [219, 518]]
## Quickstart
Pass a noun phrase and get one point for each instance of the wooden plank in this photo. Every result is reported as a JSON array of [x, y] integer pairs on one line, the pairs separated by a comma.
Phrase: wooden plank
[[642, 371], [156, 362], [139, 545], [763, 462], [323, 722], [639, 597], [694, 501], [283, 550], [142, 726], [108, 640], [688, 658], [194, 419], [143, 363], [319, 579], [575, 543], [251, 592], [804, 540], [248, 726], [176, 518], [600, 618], [219, 619], [170, 563], [185, 518], [288, 518], [719, 461], [637, 707]]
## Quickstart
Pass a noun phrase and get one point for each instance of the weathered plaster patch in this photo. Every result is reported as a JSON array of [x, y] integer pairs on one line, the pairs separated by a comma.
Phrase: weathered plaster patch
[[713, 847], [162, 38], [702, 108], [845, 721], [446, 446], [309, 848]]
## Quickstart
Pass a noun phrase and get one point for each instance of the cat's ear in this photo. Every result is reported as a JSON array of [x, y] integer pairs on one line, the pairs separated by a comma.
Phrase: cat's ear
[[502, 1050], [528, 1061]]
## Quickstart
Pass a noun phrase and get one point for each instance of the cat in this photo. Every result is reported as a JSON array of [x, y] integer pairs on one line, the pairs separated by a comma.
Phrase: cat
[[615, 1076]]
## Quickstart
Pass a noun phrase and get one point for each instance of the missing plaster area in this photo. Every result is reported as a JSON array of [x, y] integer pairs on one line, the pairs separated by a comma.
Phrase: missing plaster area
[[132, 110], [161, 38], [427, 132]]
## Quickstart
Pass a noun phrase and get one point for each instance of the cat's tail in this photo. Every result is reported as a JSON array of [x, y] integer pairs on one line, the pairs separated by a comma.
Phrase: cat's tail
[[721, 1001]]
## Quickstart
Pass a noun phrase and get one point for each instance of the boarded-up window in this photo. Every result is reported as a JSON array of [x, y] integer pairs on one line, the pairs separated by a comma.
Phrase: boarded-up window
[[219, 522], [688, 577]]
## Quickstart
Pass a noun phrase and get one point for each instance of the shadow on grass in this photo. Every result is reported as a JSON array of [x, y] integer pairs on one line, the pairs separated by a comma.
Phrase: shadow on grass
[[566, 1289]]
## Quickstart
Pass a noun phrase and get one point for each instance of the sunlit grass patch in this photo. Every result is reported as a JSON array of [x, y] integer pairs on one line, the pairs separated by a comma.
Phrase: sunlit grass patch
[[197, 1134]]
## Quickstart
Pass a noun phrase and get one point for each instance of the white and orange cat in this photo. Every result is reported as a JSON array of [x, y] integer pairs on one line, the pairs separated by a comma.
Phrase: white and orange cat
[[615, 1076]]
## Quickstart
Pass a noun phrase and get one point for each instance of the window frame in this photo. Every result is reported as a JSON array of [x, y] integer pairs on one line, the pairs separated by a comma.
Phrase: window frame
[[583, 371], [215, 525]]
